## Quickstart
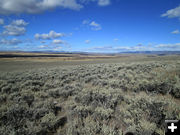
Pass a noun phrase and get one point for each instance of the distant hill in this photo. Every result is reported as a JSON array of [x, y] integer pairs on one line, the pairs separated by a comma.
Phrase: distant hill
[[97, 53]]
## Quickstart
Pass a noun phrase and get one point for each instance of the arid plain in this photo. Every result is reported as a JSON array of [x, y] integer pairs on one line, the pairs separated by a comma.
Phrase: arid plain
[[76, 94]]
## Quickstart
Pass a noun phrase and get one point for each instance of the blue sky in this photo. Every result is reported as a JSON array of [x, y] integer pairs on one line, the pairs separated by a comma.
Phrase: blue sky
[[90, 25]]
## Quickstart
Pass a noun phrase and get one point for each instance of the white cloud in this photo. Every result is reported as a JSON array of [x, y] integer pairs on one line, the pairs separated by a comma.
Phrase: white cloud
[[41, 36], [57, 48], [103, 2], [1, 21], [51, 35], [102, 48], [13, 41], [155, 47], [175, 32], [15, 28], [35, 6], [12, 30], [172, 13], [57, 41], [116, 39], [87, 41], [49, 47], [19, 22], [95, 26], [43, 46], [112, 49], [172, 46], [120, 48], [124, 48]]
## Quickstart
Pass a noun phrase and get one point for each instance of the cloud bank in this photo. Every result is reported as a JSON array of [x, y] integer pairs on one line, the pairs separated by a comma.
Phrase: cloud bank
[[38, 6], [156, 47]]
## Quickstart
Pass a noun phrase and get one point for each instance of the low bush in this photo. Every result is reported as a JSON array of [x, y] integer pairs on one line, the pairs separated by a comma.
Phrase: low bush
[[104, 99]]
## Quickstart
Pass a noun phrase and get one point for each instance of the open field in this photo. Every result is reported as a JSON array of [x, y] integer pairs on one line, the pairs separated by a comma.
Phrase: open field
[[20, 61], [77, 95]]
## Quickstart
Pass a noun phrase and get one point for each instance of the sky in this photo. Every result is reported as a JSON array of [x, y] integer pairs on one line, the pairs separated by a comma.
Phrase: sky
[[90, 25]]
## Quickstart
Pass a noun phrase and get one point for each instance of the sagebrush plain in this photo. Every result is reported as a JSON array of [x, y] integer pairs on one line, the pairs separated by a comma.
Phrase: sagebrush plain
[[92, 95]]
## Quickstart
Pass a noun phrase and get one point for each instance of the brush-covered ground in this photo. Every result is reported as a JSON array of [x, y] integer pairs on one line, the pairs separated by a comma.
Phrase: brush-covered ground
[[91, 99]]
